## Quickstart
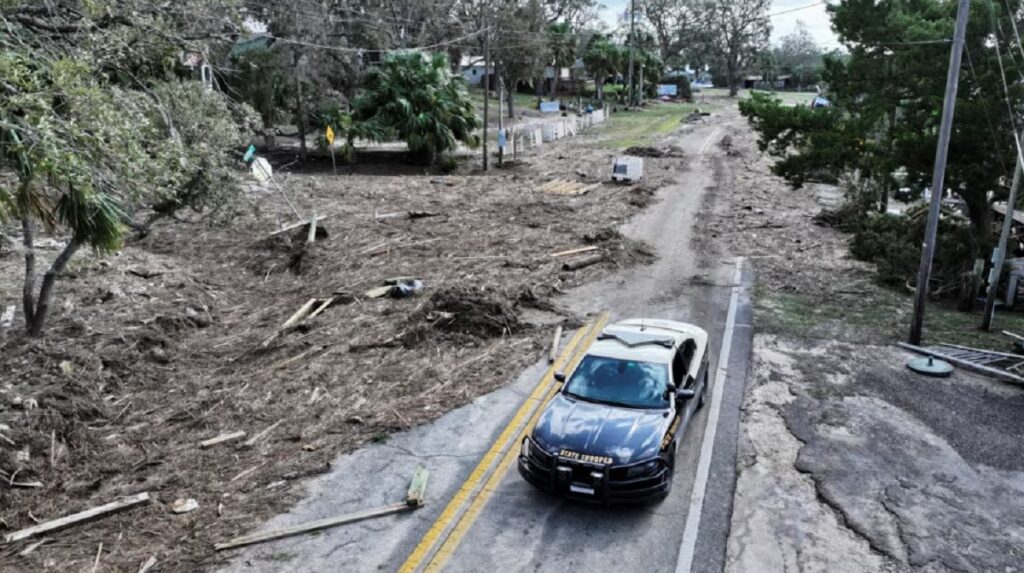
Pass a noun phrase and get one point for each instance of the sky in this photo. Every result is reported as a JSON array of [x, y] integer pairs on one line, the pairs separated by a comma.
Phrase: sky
[[811, 13]]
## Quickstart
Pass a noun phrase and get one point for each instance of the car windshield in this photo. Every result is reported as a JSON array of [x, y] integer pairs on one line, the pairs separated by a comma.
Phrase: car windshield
[[618, 382]]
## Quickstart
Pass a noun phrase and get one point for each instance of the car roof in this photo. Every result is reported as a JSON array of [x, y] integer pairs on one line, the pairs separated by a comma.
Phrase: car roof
[[645, 339]]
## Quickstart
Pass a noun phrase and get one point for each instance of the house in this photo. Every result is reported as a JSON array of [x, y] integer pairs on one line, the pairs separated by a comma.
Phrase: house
[[473, 69]]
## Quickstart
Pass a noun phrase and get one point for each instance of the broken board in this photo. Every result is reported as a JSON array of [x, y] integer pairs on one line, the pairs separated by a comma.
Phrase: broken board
[[567, 187]]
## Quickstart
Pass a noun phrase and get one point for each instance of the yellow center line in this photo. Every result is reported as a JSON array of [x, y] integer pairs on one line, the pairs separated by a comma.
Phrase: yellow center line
[[450, 544], [533, 401]]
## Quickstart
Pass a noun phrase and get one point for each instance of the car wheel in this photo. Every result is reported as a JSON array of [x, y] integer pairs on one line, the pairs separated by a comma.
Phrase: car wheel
[[703, 392], [671, 474]]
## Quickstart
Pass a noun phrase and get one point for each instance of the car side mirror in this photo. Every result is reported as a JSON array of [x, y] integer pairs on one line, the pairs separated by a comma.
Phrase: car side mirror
[[670, 391], [560, 377], [684, 394]]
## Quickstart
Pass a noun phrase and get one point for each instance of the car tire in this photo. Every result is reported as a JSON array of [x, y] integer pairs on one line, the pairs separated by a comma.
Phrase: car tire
[[703, 392], [671, 475]]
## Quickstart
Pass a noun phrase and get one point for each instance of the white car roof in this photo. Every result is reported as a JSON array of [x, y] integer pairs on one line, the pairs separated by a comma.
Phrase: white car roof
[[625, 340]]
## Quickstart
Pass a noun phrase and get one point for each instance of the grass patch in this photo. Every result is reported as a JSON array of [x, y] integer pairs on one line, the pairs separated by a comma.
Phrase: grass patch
[[520, 102], [645, 127], [879, 317]]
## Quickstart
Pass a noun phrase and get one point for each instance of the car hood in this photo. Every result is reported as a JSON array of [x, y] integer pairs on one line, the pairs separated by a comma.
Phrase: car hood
[[626, 435]]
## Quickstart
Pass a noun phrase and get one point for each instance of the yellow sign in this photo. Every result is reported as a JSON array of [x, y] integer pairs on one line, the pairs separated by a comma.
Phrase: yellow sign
[[330, 135]]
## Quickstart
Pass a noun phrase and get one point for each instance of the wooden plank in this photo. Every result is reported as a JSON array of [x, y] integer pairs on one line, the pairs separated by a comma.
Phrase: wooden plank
[[1013, 336], [588, 189], [299, 314], [584, 262], [252, 441], [311, 236], [551, 183], [80, 517], [149, 564], [7, 318], [321, 308], [314, 526], [994, 372], [418, 487], [296, 226], [221, 439], [574, 251], [554, 344]]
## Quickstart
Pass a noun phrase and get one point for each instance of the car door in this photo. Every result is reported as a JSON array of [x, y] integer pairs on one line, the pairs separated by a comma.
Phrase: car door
[[681, 378]]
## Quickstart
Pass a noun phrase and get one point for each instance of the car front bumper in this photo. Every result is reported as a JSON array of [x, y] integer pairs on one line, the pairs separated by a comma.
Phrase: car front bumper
[[589, 482]]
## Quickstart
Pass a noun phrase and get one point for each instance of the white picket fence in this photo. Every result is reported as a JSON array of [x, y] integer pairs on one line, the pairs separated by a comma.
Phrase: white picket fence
[[520, 138]]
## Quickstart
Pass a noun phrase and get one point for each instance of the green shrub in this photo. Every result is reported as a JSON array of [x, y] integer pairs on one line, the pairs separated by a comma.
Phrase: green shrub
[[893, 244]]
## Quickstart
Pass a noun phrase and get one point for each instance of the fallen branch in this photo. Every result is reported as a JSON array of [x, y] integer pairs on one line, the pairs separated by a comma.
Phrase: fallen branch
[[149, 564], [221, 439], [584, 262], [311, 237], [297, 225], [80, 517], [299, 315]]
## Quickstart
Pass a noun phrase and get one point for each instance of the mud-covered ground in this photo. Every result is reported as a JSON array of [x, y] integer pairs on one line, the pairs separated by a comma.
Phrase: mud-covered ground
[[172, 341], [849, 462]]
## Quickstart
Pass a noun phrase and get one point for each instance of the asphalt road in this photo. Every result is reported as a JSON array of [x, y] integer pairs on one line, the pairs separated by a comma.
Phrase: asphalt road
[[504, 524]]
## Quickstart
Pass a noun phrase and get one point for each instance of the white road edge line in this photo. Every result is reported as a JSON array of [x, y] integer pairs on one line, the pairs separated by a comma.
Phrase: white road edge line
[[690, 530], [707, 142]]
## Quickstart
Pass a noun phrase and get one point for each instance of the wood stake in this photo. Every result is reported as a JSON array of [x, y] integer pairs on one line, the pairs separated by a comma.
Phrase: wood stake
[[252, 441], [321, 308], [554, 344], [311, 237], [221, 439], [80, 517], [574, 251], [99, 551], [314, 526]]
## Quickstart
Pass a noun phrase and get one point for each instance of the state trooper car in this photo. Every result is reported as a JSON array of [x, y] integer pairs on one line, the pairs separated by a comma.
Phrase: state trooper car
[[610, 433]]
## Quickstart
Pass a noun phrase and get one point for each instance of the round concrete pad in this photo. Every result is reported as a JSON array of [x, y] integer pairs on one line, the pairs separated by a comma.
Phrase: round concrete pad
[[930, 366]]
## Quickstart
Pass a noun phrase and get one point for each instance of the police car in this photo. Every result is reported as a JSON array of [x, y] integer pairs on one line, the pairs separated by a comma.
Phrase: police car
[[610, 434]]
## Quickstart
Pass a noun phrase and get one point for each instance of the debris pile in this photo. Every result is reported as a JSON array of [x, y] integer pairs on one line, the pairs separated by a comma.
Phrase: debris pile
[[648, 151], [482, 312]]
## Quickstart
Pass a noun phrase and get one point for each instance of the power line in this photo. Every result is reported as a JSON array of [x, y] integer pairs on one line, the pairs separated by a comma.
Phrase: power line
[[797, 9]]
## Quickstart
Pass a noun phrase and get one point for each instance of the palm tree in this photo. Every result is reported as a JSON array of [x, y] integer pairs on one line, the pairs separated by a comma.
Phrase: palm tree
[[603, 59], [416, 98]]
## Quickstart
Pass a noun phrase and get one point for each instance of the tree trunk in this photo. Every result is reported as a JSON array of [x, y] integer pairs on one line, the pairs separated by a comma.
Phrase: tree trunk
[[554, 85], [46, 290], [301, 113], [599, 88], [509, 93], [28, 301], [732, 79]]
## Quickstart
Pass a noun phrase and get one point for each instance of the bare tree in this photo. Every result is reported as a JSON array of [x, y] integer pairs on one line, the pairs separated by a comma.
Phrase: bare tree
[[671, 21], [732, 33]]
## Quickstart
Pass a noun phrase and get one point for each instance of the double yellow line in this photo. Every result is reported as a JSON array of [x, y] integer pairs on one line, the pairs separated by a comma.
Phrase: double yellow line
[[456, 519]]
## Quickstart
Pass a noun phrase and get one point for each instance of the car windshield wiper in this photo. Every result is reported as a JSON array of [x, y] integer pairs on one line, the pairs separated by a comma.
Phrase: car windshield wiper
[[593, 400]]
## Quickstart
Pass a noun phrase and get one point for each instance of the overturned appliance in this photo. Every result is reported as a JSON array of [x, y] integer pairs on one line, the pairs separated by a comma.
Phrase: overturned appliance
[[628, 169]]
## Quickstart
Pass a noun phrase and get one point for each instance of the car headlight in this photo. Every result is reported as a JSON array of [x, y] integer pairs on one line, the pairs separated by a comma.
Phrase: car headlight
[[526, 448], [643, 469]]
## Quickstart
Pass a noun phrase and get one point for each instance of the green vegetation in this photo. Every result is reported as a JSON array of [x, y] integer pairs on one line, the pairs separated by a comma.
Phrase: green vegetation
[[876, 316], [646, 126], [419, 101]]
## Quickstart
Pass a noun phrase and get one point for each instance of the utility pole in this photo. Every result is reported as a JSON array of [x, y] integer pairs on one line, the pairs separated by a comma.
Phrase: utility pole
[[487, 79], [632, 47], [938, 175], [999, 254]]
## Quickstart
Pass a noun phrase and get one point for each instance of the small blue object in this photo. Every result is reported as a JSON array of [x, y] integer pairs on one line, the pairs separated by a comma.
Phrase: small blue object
[[549, 107], [501, 137], [249, 154], [668, 90]]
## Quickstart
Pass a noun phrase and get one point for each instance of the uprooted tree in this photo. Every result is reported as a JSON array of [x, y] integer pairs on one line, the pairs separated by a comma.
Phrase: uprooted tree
[[91, 135]]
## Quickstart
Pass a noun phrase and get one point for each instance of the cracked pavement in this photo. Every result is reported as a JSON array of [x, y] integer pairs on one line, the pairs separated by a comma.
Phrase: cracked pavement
[[850, 462]]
